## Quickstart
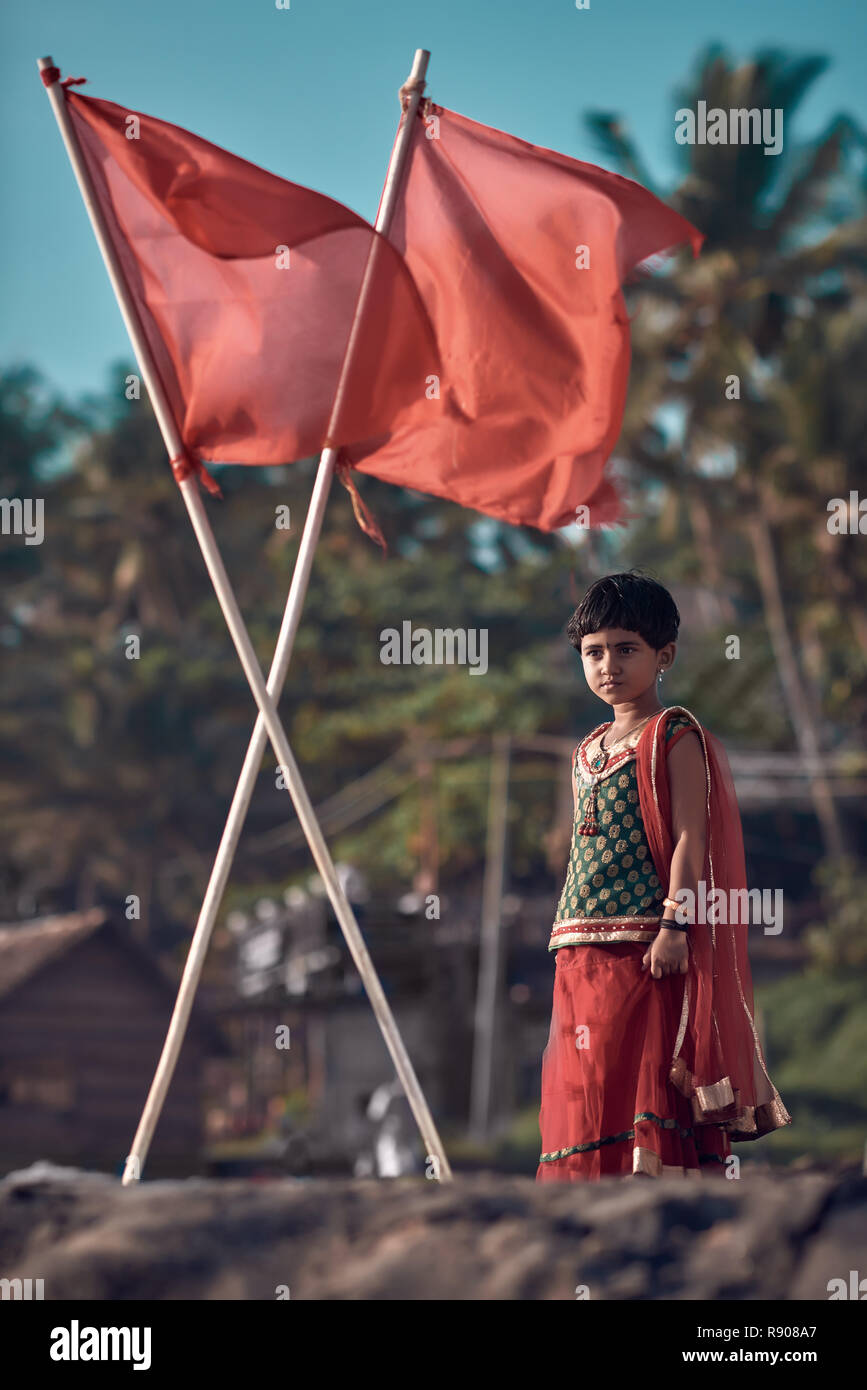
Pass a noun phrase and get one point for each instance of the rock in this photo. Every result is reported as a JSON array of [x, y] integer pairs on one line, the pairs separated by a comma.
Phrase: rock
[[837, 1243], [767, 1235]]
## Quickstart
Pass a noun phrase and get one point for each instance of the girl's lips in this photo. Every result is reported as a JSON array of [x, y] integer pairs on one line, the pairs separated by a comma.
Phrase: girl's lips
[[609, 685]]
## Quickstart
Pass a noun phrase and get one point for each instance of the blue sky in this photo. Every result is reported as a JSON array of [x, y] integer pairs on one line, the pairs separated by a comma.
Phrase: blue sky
[[311, 93]]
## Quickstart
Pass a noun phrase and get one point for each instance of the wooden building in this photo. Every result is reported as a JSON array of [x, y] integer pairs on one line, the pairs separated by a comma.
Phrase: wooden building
[[83, 1015]]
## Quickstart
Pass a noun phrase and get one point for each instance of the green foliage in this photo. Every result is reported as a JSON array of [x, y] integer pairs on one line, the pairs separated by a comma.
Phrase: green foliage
[[838, 944], [817, 1053]]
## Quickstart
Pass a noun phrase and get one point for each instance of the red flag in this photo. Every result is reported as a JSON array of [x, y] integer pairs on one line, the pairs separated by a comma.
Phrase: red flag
[[249, 340], [532, 329]]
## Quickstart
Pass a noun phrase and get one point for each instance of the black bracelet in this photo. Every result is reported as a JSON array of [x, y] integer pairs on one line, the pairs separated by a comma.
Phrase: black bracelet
[[672, 924]]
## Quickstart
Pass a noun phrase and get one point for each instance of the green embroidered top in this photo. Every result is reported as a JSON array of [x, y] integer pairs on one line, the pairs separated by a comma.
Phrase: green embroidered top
[[612, 891]]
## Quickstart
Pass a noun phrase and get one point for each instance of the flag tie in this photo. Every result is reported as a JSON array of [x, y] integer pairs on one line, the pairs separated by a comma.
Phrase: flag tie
[[185, 466], [412, 84], [50, 76], [363, 515]]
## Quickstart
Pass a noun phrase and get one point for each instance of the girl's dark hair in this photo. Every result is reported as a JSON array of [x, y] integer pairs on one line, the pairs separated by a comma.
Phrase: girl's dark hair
[[632, 601]]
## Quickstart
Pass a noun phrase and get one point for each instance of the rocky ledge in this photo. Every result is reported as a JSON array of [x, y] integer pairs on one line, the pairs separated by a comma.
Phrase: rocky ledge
[[771, 1234]]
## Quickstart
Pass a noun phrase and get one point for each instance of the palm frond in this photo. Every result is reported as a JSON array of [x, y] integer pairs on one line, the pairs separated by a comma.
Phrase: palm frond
[[617, 147]]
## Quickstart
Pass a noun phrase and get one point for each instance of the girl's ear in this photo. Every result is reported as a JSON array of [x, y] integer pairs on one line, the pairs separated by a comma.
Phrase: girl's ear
[[666, 655]]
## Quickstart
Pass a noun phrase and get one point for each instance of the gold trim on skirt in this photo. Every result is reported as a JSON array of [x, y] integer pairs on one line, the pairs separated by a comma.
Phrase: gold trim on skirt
[[649, 1162]]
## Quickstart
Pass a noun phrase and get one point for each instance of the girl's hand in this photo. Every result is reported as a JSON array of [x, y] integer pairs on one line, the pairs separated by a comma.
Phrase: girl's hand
[[667, 954]]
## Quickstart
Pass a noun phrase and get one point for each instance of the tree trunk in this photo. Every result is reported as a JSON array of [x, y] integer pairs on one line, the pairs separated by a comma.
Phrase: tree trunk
[[826, 808], [426, 880], [846, 588], [708, 552], [490, 944]]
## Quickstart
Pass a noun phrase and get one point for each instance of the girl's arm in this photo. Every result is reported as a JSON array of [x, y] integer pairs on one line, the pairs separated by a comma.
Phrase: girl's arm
[[687, 779], [669, 951]]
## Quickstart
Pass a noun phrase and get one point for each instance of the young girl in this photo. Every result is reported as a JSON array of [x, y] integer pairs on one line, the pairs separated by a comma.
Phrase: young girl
[[653, 1064]]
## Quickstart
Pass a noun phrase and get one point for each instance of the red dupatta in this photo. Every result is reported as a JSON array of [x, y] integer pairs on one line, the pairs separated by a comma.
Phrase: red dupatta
[[717, 1062]]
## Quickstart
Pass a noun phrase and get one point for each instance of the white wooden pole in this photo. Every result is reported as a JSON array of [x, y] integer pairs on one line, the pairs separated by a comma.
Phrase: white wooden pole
[[271, 726], [279, 669], [490, 940]]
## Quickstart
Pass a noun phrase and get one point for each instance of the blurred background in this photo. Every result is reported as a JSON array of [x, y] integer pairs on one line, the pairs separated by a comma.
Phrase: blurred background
[[444, 797]]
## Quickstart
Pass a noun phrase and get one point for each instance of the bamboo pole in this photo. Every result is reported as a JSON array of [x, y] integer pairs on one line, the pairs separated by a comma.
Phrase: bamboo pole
[[265, 695], [490, 942]]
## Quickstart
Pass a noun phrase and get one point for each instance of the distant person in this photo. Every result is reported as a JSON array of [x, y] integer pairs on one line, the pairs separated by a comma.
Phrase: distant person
[[653, 1064], [354, 884], [395, 1150]]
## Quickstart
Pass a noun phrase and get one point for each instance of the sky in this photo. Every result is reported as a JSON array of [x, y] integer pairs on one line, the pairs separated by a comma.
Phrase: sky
[[310, 93]]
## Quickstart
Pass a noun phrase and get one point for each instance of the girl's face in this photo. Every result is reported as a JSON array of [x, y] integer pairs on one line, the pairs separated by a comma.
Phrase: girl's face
[[620, 666]]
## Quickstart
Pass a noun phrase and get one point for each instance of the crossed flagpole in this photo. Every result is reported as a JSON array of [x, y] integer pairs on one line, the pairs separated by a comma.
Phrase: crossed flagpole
[[268, 725]]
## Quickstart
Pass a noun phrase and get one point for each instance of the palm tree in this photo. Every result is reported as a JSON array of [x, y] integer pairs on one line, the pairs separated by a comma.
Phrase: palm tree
[[723, 344]]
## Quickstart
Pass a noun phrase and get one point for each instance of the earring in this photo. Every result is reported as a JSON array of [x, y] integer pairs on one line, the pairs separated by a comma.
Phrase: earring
[[659, 675]]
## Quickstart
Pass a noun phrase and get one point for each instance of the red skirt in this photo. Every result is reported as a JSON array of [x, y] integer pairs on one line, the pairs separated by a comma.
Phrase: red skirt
[[608, 1106]]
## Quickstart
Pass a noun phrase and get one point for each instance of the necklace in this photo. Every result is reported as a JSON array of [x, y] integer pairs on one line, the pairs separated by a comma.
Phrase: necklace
[[590, 823], [600, 762]]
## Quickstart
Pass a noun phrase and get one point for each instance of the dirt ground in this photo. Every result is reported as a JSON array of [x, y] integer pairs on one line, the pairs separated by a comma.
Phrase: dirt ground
[[767, 1235]]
